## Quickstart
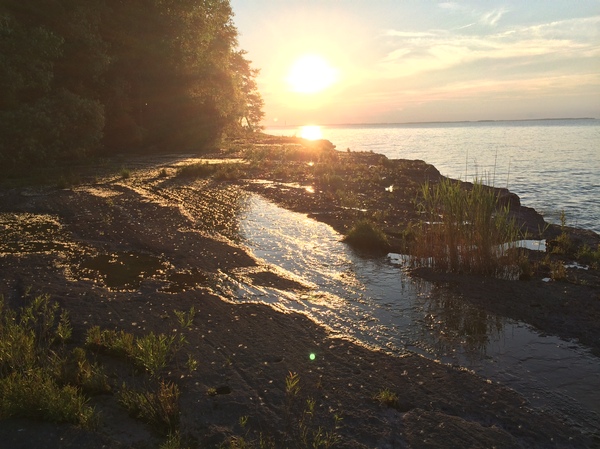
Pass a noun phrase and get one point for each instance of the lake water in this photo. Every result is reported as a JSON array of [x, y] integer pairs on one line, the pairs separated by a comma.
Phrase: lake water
[[553, 165]]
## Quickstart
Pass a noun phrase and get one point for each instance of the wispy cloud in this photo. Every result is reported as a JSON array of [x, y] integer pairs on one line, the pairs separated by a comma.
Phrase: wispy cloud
[[491, 18], [469, 25], [453, 6], [414, 53], [409, 34]]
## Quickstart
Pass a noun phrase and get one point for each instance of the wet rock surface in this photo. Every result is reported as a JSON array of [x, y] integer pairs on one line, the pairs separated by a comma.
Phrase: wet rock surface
[[177, 238]]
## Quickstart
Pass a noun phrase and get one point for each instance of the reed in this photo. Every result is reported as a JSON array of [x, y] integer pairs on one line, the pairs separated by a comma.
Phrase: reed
[[465, 229]]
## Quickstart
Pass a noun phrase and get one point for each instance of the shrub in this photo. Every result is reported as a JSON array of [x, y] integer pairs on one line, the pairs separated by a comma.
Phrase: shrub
[[366, 236], [153, 352]]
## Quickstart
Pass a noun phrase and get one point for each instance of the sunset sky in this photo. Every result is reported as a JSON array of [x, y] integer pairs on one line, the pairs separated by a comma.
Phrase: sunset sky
[[358, 61]]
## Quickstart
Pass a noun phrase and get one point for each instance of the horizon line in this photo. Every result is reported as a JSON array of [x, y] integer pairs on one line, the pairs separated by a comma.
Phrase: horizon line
[[439, 122]]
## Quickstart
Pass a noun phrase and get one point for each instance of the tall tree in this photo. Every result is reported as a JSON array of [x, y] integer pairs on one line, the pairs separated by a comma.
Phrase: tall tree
[[130, 74], [41, 119]]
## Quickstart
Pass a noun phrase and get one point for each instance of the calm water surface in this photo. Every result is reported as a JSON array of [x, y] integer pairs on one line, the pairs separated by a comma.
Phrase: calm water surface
[[553, 165], [374, 302]]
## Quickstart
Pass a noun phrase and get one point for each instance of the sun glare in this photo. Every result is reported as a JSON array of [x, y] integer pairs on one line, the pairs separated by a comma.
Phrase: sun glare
[[311, 132], [311, 74]]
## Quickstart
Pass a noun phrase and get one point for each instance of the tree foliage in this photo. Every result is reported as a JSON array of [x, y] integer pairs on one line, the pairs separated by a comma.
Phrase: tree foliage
[[82, 77]]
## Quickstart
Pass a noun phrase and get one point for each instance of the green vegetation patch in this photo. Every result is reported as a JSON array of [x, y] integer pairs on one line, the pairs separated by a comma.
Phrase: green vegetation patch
[[366, 236], [221, 172], [151, 352], [33, 361]]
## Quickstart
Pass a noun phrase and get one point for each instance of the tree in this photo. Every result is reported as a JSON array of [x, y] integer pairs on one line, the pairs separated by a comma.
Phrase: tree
[[89, 76], [40, 121], [250, 102]]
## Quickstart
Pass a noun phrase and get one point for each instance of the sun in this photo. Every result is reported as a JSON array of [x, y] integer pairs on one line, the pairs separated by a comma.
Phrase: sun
[[311, 74]]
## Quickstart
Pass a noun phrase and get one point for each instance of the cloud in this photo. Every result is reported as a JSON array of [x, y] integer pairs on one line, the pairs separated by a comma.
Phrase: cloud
[[409, 34], [453, 6], [491, 18], [469, 25], [414, 53]]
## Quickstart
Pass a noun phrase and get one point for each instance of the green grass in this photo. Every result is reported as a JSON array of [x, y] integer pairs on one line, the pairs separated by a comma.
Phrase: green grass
[[125, 173], [41, 379], [365, 235], [32, 364], [151, 352], [173, 441], [387, 397], [588, 256], [221, 172], [306, 424], [198, 170], [160, 408], [36, 394]]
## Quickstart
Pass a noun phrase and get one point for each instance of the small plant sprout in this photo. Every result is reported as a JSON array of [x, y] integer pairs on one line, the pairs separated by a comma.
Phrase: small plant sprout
[[387, 397], [186, 319], [192, 363], [211, 391], [243, 421], [292, 384]]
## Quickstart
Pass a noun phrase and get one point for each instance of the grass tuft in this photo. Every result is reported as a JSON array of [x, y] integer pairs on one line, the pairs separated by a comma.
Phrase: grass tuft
[[159, 408], [150, 352], [365, 235], [387, 397]]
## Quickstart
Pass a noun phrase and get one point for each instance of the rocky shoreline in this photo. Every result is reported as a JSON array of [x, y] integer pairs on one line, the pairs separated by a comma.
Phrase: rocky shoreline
[[183, 230]]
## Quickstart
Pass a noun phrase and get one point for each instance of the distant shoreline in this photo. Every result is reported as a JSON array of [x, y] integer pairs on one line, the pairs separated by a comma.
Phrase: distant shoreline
[[440, 122]]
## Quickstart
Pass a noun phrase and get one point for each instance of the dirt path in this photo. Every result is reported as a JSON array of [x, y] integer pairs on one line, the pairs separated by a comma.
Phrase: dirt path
[[180, 234]]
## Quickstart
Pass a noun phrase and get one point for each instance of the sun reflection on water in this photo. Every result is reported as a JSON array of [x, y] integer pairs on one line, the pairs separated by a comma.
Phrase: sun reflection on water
[[310, 132]]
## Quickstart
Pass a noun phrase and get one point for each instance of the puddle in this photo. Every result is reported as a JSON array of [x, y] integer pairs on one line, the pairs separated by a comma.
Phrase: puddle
[[121, 271], [185, 280], [22, 233], [284, 185], [533, 245], [375, 303], [31, 233]]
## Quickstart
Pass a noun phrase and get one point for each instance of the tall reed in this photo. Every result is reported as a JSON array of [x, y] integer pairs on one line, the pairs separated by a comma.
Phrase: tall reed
[[465, 229]]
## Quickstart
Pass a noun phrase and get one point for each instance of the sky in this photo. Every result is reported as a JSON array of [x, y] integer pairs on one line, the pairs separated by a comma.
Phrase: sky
[[393, 61]]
